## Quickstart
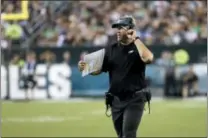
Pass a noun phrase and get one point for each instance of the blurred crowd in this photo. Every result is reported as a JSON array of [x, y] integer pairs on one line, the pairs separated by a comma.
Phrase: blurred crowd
[[88, 23]]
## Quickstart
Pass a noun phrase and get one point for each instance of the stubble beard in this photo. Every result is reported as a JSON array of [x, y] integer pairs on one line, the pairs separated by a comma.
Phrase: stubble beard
[[125, 40]]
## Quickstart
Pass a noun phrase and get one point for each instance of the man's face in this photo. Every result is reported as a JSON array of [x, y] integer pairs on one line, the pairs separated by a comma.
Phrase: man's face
[[16, 57], [191, 70], [66, 56], [30, 57], [122, 33]]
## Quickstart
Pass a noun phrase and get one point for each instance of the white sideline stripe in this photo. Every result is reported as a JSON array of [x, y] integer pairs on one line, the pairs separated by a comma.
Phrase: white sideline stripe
[[40, 119], [188, 105], [83, 100], [98, 112], [72, 100]]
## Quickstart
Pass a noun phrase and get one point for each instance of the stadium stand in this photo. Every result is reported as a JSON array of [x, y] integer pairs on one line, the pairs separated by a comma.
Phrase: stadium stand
[[88, 24]]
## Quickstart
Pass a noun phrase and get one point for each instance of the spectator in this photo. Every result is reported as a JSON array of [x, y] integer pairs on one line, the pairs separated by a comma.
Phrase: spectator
[[4, 41], [66, 57], [83, 54], [168, 63], [190, 83], [15, 60], [101, 38], [48, 57], [62, 27], [14, 32], [49, 36], [158, 22]]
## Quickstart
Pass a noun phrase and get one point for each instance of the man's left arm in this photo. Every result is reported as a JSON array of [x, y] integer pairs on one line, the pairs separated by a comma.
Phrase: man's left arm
[[145, 54]]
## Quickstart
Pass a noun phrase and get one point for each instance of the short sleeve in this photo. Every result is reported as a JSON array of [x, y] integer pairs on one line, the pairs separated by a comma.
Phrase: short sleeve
[[105, 66]]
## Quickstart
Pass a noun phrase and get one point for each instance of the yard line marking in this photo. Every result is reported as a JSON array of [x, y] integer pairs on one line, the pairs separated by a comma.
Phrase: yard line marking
[[83, 100], [40, 119]]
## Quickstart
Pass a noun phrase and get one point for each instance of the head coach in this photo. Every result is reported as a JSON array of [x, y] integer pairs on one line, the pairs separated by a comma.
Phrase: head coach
[[125, 61]]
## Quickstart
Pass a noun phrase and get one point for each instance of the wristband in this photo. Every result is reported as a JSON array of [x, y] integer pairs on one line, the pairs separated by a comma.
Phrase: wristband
[[136, 38]]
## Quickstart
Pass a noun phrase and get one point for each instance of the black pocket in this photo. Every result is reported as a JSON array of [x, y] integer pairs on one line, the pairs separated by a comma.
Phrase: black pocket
[[108, 102], [148, 95], [108, 98]]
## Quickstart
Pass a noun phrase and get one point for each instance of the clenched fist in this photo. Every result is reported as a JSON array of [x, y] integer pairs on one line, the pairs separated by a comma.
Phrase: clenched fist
[[131, 34], [81, 65]]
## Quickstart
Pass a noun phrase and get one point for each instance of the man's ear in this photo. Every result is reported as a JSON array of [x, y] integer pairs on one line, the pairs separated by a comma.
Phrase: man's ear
[[130, 32]]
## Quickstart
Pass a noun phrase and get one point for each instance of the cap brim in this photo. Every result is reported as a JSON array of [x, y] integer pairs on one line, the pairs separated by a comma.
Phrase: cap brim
[[115, 25], [119, 23]]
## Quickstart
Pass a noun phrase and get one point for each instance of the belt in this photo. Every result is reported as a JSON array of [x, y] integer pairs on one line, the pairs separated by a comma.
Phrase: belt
[[109, 98], [132, 94], [142, 90], [147, 95]]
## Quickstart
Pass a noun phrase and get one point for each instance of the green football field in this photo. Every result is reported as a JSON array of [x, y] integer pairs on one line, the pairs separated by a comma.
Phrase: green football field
[[168, 118]]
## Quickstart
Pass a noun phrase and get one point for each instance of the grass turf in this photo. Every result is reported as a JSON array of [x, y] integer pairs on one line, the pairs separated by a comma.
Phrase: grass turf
[[168, 118]]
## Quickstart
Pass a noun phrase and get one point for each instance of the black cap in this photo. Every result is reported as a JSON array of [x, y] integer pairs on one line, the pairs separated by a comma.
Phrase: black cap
[[124, 21]]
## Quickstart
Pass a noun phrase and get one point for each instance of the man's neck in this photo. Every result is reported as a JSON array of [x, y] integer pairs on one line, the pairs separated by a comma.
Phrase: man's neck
[[126, 42]]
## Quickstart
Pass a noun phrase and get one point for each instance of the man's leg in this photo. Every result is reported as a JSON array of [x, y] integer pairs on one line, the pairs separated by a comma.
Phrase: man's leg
[[167, 88], [117, 110], [33, 82], [26, 90], [195, 88], [185, 91], [118, 122], [132, 118]]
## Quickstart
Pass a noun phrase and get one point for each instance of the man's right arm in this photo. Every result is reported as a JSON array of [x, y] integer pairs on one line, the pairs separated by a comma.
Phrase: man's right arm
[[96, 73], [81, 66], [104, 68]]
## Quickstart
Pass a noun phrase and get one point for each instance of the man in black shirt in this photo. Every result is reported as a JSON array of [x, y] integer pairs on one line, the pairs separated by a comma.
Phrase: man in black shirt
[[125, 62]]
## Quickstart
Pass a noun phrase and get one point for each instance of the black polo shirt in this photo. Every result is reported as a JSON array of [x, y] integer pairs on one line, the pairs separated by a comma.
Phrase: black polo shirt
[[125, 67]]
